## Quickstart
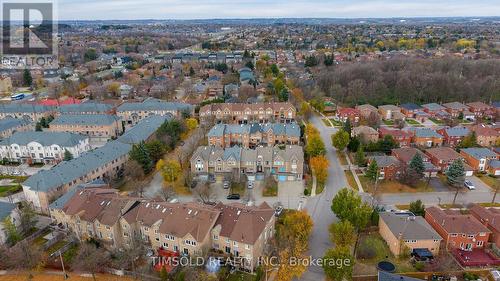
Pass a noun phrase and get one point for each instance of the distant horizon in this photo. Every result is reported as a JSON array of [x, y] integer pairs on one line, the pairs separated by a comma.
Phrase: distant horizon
[[104, 10], [288, 18]]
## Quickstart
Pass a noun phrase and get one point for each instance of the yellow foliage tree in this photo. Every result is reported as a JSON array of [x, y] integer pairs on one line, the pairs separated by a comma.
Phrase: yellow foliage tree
[[319, 165], [170, 170], [191, 124]]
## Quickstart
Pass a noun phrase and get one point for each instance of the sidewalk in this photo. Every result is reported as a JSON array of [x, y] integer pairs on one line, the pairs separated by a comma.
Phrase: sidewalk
[[356, 178]]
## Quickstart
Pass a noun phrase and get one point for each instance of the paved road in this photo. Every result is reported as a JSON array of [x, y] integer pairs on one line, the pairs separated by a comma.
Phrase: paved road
[[319, 207]]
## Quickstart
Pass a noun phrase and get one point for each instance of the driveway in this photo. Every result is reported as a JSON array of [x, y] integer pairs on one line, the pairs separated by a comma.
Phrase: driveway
[[319, 207]]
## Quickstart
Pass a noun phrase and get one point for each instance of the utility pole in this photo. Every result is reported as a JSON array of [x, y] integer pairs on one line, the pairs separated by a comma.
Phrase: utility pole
[[65, 276]]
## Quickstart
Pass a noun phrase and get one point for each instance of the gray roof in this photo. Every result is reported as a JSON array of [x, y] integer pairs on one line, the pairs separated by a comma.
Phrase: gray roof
[[457, 131], [67, 171], [62, 139], [85, 107], [455, 105], [433, 106], [61, 201], [211, 153], [278, 129], [495, 164], [23, 108], [85, 119], [144, 129], [409, 227], [6, 209], [480, 152], [12, 123], [410, 106], [153, 104], [386, 276], [425, 133], [385, 161]]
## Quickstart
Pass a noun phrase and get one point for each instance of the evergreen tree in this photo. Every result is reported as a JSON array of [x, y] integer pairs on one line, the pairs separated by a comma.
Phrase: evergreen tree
[[456, 173], [372, 171], [360, 157], [67, 155], [27, 79], [455, 176], [469, 141], [417, 166], [354, 144], [348, 126], [417, 208], [140, 154], [191, 71]]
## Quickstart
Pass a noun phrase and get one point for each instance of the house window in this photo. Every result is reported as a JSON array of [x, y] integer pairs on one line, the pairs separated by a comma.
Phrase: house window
[[216, 237], [453, 235], [480, 243], [470, 236], [482, 234], [165, 245]]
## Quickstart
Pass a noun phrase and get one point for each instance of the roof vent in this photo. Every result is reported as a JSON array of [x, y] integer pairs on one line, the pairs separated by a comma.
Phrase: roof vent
[[102, 203], [164, 210], [238, 213], [190, 211], [157, 207]]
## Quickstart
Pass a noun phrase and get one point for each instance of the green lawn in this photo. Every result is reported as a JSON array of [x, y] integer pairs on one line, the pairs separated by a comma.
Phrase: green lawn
[[393, 186], [350, 180], [238, 188], [491, 181], [388, 122], [412, 122], [10, 189], [436, 121], [342, 158], [336, 123], [16, 179], [56, 246], [326, 122]]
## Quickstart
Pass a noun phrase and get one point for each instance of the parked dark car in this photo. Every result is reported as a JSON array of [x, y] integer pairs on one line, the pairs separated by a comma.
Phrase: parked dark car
[[233, 197]]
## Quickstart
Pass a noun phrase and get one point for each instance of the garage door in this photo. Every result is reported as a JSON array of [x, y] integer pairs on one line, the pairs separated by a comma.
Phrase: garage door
[[469, 173]]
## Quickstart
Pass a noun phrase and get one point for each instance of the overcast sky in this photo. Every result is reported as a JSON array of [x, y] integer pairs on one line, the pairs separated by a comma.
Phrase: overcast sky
[[209, 9]]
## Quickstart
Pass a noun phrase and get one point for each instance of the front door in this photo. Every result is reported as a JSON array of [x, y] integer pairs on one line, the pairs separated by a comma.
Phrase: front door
[[468, 247]]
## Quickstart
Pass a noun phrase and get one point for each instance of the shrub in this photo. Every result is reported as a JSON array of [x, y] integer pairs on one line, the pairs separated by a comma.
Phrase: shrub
[[470, 276], [419, 265]]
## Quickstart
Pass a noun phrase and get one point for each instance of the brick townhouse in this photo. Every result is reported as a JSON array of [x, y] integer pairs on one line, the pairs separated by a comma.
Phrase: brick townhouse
[[133, 112], [241, 113], [252, 135], [489, 217], [103, 163], [10, 125], [191, 229]]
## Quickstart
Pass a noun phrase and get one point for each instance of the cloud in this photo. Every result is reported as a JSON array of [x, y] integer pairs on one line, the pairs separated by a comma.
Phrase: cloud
[[190, 9]]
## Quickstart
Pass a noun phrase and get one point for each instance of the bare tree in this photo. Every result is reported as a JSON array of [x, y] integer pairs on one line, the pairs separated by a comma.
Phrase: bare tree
[[25, 256], [205, 193], [90, 259], [131, 254], [166, 193]]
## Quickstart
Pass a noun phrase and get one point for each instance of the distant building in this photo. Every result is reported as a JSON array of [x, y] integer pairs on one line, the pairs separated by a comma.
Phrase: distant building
[[365, 134], [133, 112], [241, 113], [250, 136], [10, 125], [97, 126], [42, 147], [479, 158]]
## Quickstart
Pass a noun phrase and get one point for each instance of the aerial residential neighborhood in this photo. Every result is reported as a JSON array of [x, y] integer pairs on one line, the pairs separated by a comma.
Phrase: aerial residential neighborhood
[[224, 141]]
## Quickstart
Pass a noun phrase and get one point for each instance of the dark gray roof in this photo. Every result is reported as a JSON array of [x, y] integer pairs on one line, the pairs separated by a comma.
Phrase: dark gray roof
[[457, 131], [426, 133], [277, 128], [23, 108], [11, 123], [6, 209], [144, 129], [67, 171], [154, 104], [480, 152], [85, 119], [433, 106], [410, 106], [62, 139], [85, 107], [385, 161]]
